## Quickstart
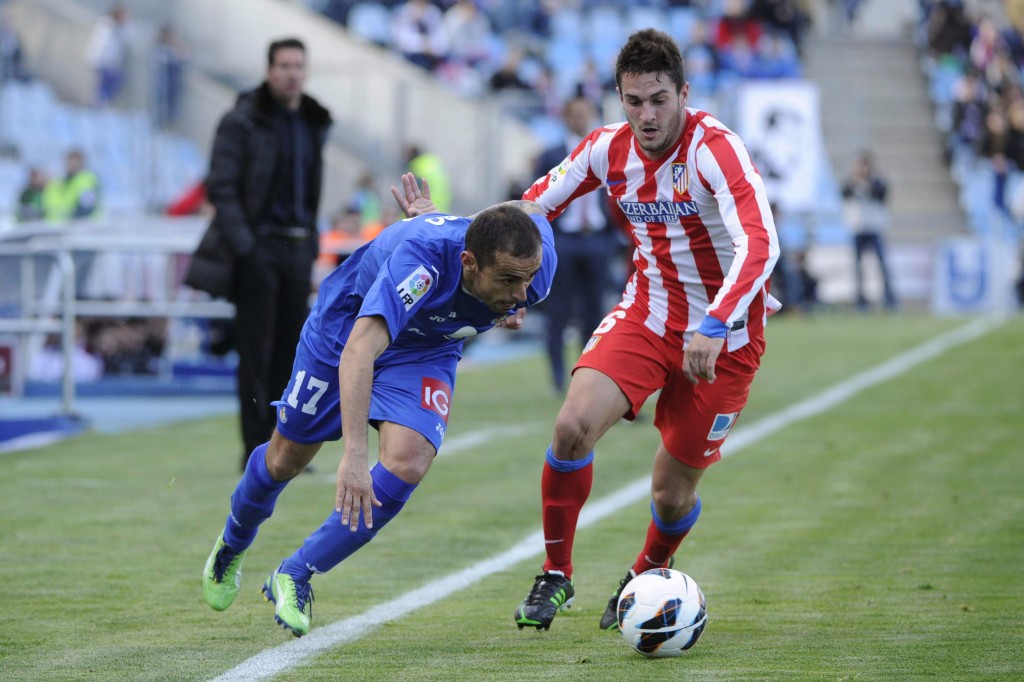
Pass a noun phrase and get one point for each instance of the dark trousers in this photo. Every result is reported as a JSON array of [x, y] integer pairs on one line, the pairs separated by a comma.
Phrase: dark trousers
[[862, 243], [577, 292], [271, 305]]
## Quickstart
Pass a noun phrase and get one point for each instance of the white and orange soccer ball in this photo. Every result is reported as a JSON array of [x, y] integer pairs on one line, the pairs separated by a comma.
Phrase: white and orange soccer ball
[[662, 613]]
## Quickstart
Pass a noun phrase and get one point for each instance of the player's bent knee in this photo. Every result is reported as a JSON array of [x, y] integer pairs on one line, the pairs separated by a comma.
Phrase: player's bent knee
[[286, 459], [673, 505], [574, 437]]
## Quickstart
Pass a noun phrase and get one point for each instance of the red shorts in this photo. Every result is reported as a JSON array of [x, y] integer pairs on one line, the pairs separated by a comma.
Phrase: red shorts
[[693, 420]]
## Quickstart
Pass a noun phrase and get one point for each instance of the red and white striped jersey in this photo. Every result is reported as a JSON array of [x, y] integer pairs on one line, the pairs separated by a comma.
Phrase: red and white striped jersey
[[704, 233]]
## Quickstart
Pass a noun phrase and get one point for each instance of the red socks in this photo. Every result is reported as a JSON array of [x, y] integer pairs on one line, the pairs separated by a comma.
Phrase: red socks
[[564, 488]]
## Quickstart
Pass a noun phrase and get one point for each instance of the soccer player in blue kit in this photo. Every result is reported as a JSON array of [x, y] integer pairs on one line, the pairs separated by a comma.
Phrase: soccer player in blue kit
[[380, 347]]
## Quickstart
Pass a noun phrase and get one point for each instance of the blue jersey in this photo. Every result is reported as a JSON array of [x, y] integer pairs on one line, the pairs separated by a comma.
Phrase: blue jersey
[[411, 276]]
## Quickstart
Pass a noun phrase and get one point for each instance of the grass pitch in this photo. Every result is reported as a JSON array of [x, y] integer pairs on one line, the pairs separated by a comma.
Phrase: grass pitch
[[881, 540]]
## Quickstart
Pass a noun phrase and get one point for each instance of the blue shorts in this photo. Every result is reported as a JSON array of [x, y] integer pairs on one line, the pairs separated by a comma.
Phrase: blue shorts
[[411, 388]]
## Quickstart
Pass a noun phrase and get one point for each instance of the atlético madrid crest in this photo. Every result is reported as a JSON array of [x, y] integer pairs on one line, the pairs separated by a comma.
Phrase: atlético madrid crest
[[680, 179]]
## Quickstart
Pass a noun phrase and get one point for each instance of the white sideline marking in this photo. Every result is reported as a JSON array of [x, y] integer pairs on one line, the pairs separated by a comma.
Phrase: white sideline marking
[[280, 658], [472, 439]]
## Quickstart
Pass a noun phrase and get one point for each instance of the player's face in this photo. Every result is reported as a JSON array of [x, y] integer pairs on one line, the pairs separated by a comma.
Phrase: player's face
[[287, 75], [502, 284], [654, 110]]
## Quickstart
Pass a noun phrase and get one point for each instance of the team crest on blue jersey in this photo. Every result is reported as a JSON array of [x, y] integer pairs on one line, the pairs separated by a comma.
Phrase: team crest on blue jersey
[[414, 286], [680, 178], [722, 425]]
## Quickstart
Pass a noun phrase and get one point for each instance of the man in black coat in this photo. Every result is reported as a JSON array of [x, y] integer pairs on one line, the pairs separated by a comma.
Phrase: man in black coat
[[587, 245], [264, 183]]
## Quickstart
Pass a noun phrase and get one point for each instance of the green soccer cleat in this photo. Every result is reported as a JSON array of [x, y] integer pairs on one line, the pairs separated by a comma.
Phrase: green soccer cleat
[[293, 601], [551, 593], [222, 575]]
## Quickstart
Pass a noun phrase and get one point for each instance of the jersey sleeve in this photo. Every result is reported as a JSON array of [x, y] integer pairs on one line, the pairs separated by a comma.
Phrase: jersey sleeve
[[406, 280], [570, 179], [540, 287], [724, 166]]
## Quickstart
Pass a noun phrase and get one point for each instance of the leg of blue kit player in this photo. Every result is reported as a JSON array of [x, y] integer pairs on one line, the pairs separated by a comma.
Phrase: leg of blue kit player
[[405, 457], [267, 473]]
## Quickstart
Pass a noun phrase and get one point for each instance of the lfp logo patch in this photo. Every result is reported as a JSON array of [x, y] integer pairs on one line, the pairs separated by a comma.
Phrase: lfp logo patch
[[722, 425], [558, 171], [414, 286]]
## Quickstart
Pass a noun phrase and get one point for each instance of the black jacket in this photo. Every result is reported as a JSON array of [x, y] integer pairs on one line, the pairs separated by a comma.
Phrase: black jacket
[[246, 151]]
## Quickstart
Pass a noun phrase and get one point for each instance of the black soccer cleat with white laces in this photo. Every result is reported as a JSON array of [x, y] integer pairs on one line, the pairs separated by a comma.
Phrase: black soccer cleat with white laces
[[551, 593], [610, 617]]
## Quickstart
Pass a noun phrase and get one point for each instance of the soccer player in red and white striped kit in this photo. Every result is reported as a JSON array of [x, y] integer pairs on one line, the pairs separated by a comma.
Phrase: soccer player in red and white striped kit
[[691, 319]]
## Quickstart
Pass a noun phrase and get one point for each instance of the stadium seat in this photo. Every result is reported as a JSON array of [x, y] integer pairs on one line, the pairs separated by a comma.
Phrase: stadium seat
[[605, 24], [566, 27], [644, 16], [371, 21], [681, 21]]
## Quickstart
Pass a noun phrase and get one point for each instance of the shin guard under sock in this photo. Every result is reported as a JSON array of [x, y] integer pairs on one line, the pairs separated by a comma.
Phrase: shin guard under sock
[[253, 501], [565, 486], [332, 543]]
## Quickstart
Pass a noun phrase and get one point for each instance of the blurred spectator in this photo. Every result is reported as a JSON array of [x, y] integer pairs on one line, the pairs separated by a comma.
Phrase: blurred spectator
[[427, 165], [970, 107], [12, 65], [1015, 135], [128, 346], [107, 54], [418, 33], [701, 59], [866, 215], [342, 237], [791, 281], [546, 89], [365, 202], [169, 58], [76, 194], [776, 57], [589, 84], [735, 24], [586, 246], [47, 364], [948, 29], [507, 76], [985, 44], [30, 200], [783, 16], [468, 33]]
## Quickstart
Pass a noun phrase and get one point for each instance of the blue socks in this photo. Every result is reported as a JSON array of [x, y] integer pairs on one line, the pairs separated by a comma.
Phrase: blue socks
[[680, 527], [253, 501], [332, 543]]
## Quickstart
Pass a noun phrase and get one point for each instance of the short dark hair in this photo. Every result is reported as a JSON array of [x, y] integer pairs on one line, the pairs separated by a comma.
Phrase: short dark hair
[[283, 44], [651, 51], [504, 229]]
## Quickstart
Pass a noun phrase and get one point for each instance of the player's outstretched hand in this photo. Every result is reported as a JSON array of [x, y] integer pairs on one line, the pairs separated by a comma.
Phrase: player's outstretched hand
[[355, 494], [411, 199], [513, 321]]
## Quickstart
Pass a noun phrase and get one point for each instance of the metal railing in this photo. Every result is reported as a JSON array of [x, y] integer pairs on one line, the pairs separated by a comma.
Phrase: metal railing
[[30, 310]]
